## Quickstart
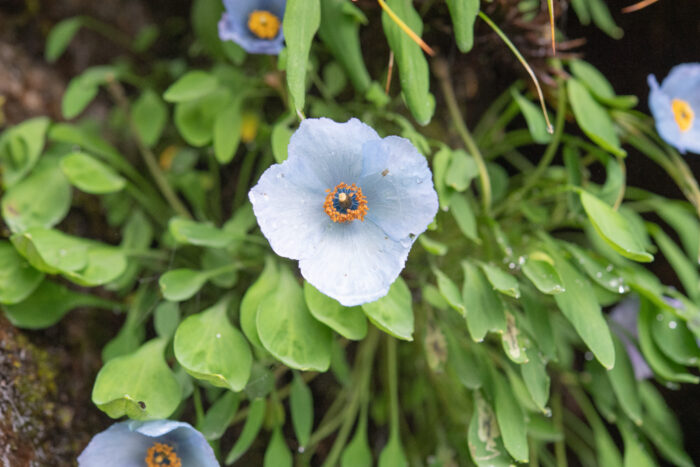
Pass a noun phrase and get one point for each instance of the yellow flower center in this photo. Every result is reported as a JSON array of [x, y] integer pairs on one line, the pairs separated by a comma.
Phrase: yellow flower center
[[683, 114], [263, 24], [160, 455], [345, 203]]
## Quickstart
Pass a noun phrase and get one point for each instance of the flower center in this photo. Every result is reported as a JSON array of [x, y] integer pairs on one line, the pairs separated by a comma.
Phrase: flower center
[[161, 454], [345, 203], [683, 114], [263, 24]]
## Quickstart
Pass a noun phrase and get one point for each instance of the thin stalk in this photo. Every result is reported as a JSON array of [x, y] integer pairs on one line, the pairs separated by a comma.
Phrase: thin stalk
[[117, 92], [441, 70], [557, 418]]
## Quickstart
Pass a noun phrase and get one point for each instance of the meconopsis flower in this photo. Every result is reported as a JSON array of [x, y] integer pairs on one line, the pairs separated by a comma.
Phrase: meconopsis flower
[[155, 443], [255, 25], [348, 205], [676, 107]]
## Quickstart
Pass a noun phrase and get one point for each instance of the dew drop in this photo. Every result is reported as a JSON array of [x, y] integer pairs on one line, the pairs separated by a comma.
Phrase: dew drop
[[419, 180], [548, 412], [62, 252], [218, 335], [301, 449], [622, 288], [511, 265], [609, 267], [659, 317], [521, 260], [588, 356], [599, 274], [672, 324]]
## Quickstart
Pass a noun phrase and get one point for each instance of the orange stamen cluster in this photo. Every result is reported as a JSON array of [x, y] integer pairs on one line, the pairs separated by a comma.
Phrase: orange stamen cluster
[[161, 454], [349, 195], [263, 24], [683, 114]]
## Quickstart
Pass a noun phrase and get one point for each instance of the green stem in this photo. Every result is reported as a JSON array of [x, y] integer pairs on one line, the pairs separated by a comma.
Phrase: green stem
[[108, 31], [393, 374], [559, 447], [441, 70], [117, 92]]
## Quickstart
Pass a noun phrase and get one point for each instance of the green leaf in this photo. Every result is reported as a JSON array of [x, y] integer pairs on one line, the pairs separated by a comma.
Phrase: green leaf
[[581, 308], [441, 161], [462, 171], [392, 455], [281, 134], [52, 251], [227, 133], [603, 275], [593, 119], [463, 362], [675, 339], [195, 118], [484, 437], [636, 454], [211, 349], [219, 416], [484, 308], [463, 13], [603, 19], [289, 332], [179, 285], [534, 118], [40, 200], [682, 218], [512, 341], [83, 89], [501, 280], [686, 270], [301, 21], [594, 80], [540, 322], [60, 36], [536, 379], [624, 384], [139, 385], [90, 175], [166, 319], [198, 233], [357, 451], [614, 228], [511, 421], [104, 264], [263, 287], [393, 313], [277, 453], [17, 278], [47, 305], [450, 291], [539, 268], [464, 216], [349, 322], [339, 30], [192, 85], [412, 64], [301, 406], [150, 114], [20, 148], [251, 428]]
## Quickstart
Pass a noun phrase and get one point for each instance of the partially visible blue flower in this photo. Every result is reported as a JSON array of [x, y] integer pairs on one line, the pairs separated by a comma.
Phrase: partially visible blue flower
[[624, 316], [153, 443], [676, 107], [348, 205], [255, 25]]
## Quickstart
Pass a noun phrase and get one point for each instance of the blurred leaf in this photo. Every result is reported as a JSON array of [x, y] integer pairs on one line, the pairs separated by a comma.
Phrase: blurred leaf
[[512, 341], [211, 349], [464, 216], [178, 285], [511, 421], [51, 251], [636, 454], [463, 362], [251, 428], [536, 123], [593, 118], [301, 406], [540, 322], [539, 268], [393, 313], [392, 455], [484, 436], [594, 80], [145, 38], [686, 270], [603, 19], [684, 221], [674, 339], [150, 114], [289, 332], [614, 228], [349, 322], [227, 132], [17, 278], [205, 16], [603, 275], [301, 21], [20, 148], [484, 308], [463, 13], [40, 200], [281, 134], [624, 385], [198, 233], [261, 288], [90, 175], [357, 452], [104, 264], [166, 319], [59, 38], [450, 291], [501, 280], [432, 246], [83, 88], [536, 379], [412, 65], [462, 171], [139, 385], [192, 85], [339, 30], [219, 416], [277, 453], [195, 118], [441, 161]]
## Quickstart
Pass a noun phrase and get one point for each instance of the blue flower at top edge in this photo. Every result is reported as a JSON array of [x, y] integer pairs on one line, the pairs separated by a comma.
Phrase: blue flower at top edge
[[348, 205], [152, 443], [676, 107], [255, 25]]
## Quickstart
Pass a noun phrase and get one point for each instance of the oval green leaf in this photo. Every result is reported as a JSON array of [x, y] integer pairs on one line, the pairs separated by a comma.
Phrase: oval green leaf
[[90, 175], [393, 313], [349, 322]]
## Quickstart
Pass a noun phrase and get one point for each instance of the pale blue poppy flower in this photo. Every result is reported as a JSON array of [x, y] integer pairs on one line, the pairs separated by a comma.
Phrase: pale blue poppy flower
[[624, 318], [255, 25], [676, 107], [348, 205], [154, 443]]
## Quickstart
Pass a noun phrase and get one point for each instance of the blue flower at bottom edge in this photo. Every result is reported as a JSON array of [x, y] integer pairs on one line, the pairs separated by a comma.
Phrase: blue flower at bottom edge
[[348, 205], [153, 443], [676, 107], [255, 25]]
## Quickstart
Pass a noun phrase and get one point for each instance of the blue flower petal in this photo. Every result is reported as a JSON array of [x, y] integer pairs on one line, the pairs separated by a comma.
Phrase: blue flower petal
[[117, 446], [233, 25], [399, 187], [330, 152], [289, 211], [355, 262]]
